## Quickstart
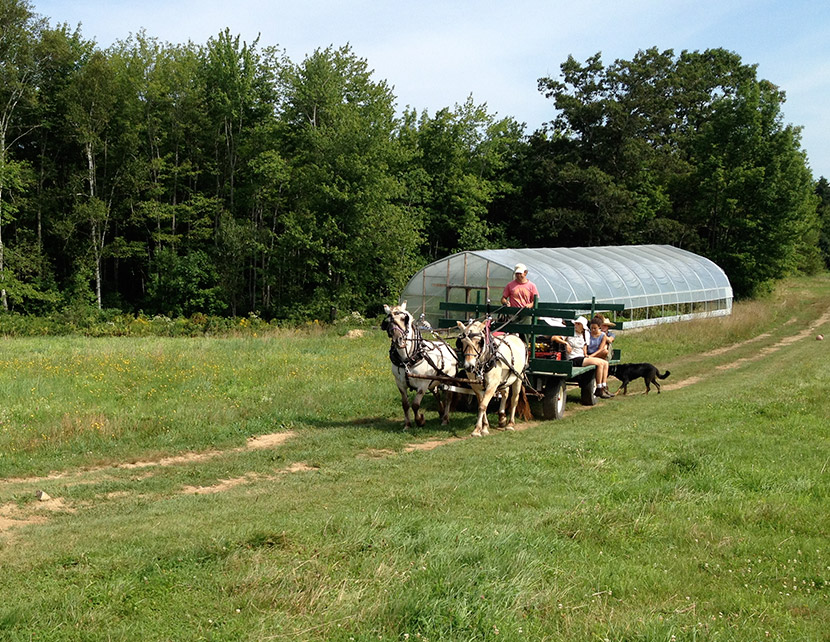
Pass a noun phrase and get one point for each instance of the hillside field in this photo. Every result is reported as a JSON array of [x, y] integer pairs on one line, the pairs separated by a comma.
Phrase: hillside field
[[262, 488]]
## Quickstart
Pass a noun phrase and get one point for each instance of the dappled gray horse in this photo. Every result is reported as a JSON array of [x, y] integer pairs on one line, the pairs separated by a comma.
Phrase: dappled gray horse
[[411, 354]]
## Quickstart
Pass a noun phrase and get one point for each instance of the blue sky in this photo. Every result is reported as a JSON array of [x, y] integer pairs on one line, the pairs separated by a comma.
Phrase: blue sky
[[437, 53]]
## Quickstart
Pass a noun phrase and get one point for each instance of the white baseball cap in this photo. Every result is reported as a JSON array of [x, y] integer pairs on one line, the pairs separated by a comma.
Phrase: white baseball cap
[[520, 268]]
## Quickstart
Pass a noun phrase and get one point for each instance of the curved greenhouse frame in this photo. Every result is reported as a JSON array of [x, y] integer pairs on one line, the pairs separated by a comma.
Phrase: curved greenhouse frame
[[656, 283]]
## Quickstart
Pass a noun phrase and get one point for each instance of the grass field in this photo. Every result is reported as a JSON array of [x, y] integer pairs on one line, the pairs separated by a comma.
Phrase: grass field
[[262, 489]]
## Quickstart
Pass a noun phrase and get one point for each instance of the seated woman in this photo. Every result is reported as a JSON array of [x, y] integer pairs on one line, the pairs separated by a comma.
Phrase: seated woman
[[576, 349], [599, 348], [599, 343]]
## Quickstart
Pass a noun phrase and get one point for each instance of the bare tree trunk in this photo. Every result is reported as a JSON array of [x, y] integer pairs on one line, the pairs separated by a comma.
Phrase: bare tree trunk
[[5, 119], [3, 297], [97, 244]]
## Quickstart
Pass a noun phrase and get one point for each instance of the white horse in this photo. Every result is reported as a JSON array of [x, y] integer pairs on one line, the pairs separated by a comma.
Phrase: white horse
[[411, 354], [492, 364]]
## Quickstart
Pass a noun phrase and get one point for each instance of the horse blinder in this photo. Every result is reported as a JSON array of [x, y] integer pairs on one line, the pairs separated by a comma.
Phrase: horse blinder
[[471, 345], [395, 329]]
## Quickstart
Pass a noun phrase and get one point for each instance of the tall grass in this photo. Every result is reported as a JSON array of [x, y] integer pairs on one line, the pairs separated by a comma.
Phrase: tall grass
[[697, 514], [80, 401]]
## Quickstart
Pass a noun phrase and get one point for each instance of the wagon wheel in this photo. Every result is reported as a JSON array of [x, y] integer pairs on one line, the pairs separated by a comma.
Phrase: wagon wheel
[[586, 388], [556, 394]]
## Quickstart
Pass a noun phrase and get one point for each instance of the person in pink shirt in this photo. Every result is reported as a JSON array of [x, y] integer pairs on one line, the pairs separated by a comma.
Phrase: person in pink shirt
[[520, 291]]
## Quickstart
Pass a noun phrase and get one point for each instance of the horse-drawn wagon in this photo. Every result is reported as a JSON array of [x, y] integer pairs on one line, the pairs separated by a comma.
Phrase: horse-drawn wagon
[[540, 371], [548, 372]]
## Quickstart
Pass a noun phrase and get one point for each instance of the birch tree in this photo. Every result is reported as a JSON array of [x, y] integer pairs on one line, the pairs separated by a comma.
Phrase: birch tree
[[91, 113], [17, 26]]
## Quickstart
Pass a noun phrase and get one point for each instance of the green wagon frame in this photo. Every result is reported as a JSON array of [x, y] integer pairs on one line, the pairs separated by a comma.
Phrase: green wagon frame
[[548, 377]]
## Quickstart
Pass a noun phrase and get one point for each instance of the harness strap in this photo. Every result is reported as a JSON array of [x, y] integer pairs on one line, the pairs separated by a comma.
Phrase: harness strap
[[452, 351], [440, 368], [513, 362], [396, 360], [490, 349], [496, 356], [419, 354]]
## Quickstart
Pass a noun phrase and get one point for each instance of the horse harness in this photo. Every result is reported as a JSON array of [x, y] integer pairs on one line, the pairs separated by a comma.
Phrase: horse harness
[[490, 347], [420, 352]]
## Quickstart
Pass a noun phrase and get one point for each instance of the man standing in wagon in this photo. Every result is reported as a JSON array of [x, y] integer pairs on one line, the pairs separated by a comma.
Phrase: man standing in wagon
[[519, 293]]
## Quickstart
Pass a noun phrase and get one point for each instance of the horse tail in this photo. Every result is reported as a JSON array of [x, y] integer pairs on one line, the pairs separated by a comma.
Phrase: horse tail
[[523, 407]]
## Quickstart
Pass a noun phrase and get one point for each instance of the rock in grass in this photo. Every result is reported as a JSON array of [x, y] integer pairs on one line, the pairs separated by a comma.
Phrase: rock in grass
[[42, 496]]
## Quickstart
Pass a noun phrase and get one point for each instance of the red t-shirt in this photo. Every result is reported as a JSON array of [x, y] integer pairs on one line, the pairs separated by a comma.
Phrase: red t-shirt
[[520, 295]]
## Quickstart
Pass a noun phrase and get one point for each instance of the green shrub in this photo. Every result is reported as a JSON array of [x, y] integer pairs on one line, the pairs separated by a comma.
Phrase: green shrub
[[114, 323]]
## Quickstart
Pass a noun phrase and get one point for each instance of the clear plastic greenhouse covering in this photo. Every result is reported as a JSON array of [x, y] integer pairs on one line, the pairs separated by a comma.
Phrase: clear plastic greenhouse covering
[[656, 283]]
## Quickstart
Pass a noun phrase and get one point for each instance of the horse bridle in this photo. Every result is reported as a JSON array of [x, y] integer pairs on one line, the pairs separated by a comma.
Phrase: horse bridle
[[471, 340], [398, 332], [481, 343], [419, 352], [487, 346]]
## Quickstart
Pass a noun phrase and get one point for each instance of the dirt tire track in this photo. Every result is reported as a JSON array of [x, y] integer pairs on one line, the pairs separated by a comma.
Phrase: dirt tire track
[[12, 515], [762, 353], [227, 484], [254, 443]]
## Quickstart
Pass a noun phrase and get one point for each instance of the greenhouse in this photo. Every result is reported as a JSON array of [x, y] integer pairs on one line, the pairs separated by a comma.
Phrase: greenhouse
[[655, 283]]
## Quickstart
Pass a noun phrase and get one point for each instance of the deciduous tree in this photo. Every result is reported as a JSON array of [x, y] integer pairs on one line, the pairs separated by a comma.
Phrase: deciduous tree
[[689, 149]]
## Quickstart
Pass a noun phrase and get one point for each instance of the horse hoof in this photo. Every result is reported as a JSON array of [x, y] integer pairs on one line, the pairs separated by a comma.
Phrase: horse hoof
[[484, 431], [475, 433], [511, 427], [502, 421], [420, 420]]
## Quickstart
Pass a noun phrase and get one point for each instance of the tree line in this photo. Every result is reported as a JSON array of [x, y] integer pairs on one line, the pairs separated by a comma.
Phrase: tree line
[[225, 178]]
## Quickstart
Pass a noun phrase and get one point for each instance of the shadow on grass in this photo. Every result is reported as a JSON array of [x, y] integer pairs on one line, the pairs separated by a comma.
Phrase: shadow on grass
[[462, 420], [431, 428], [459, 423]]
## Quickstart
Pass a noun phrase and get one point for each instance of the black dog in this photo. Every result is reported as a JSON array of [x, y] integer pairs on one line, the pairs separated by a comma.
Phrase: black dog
[[626, 372]]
